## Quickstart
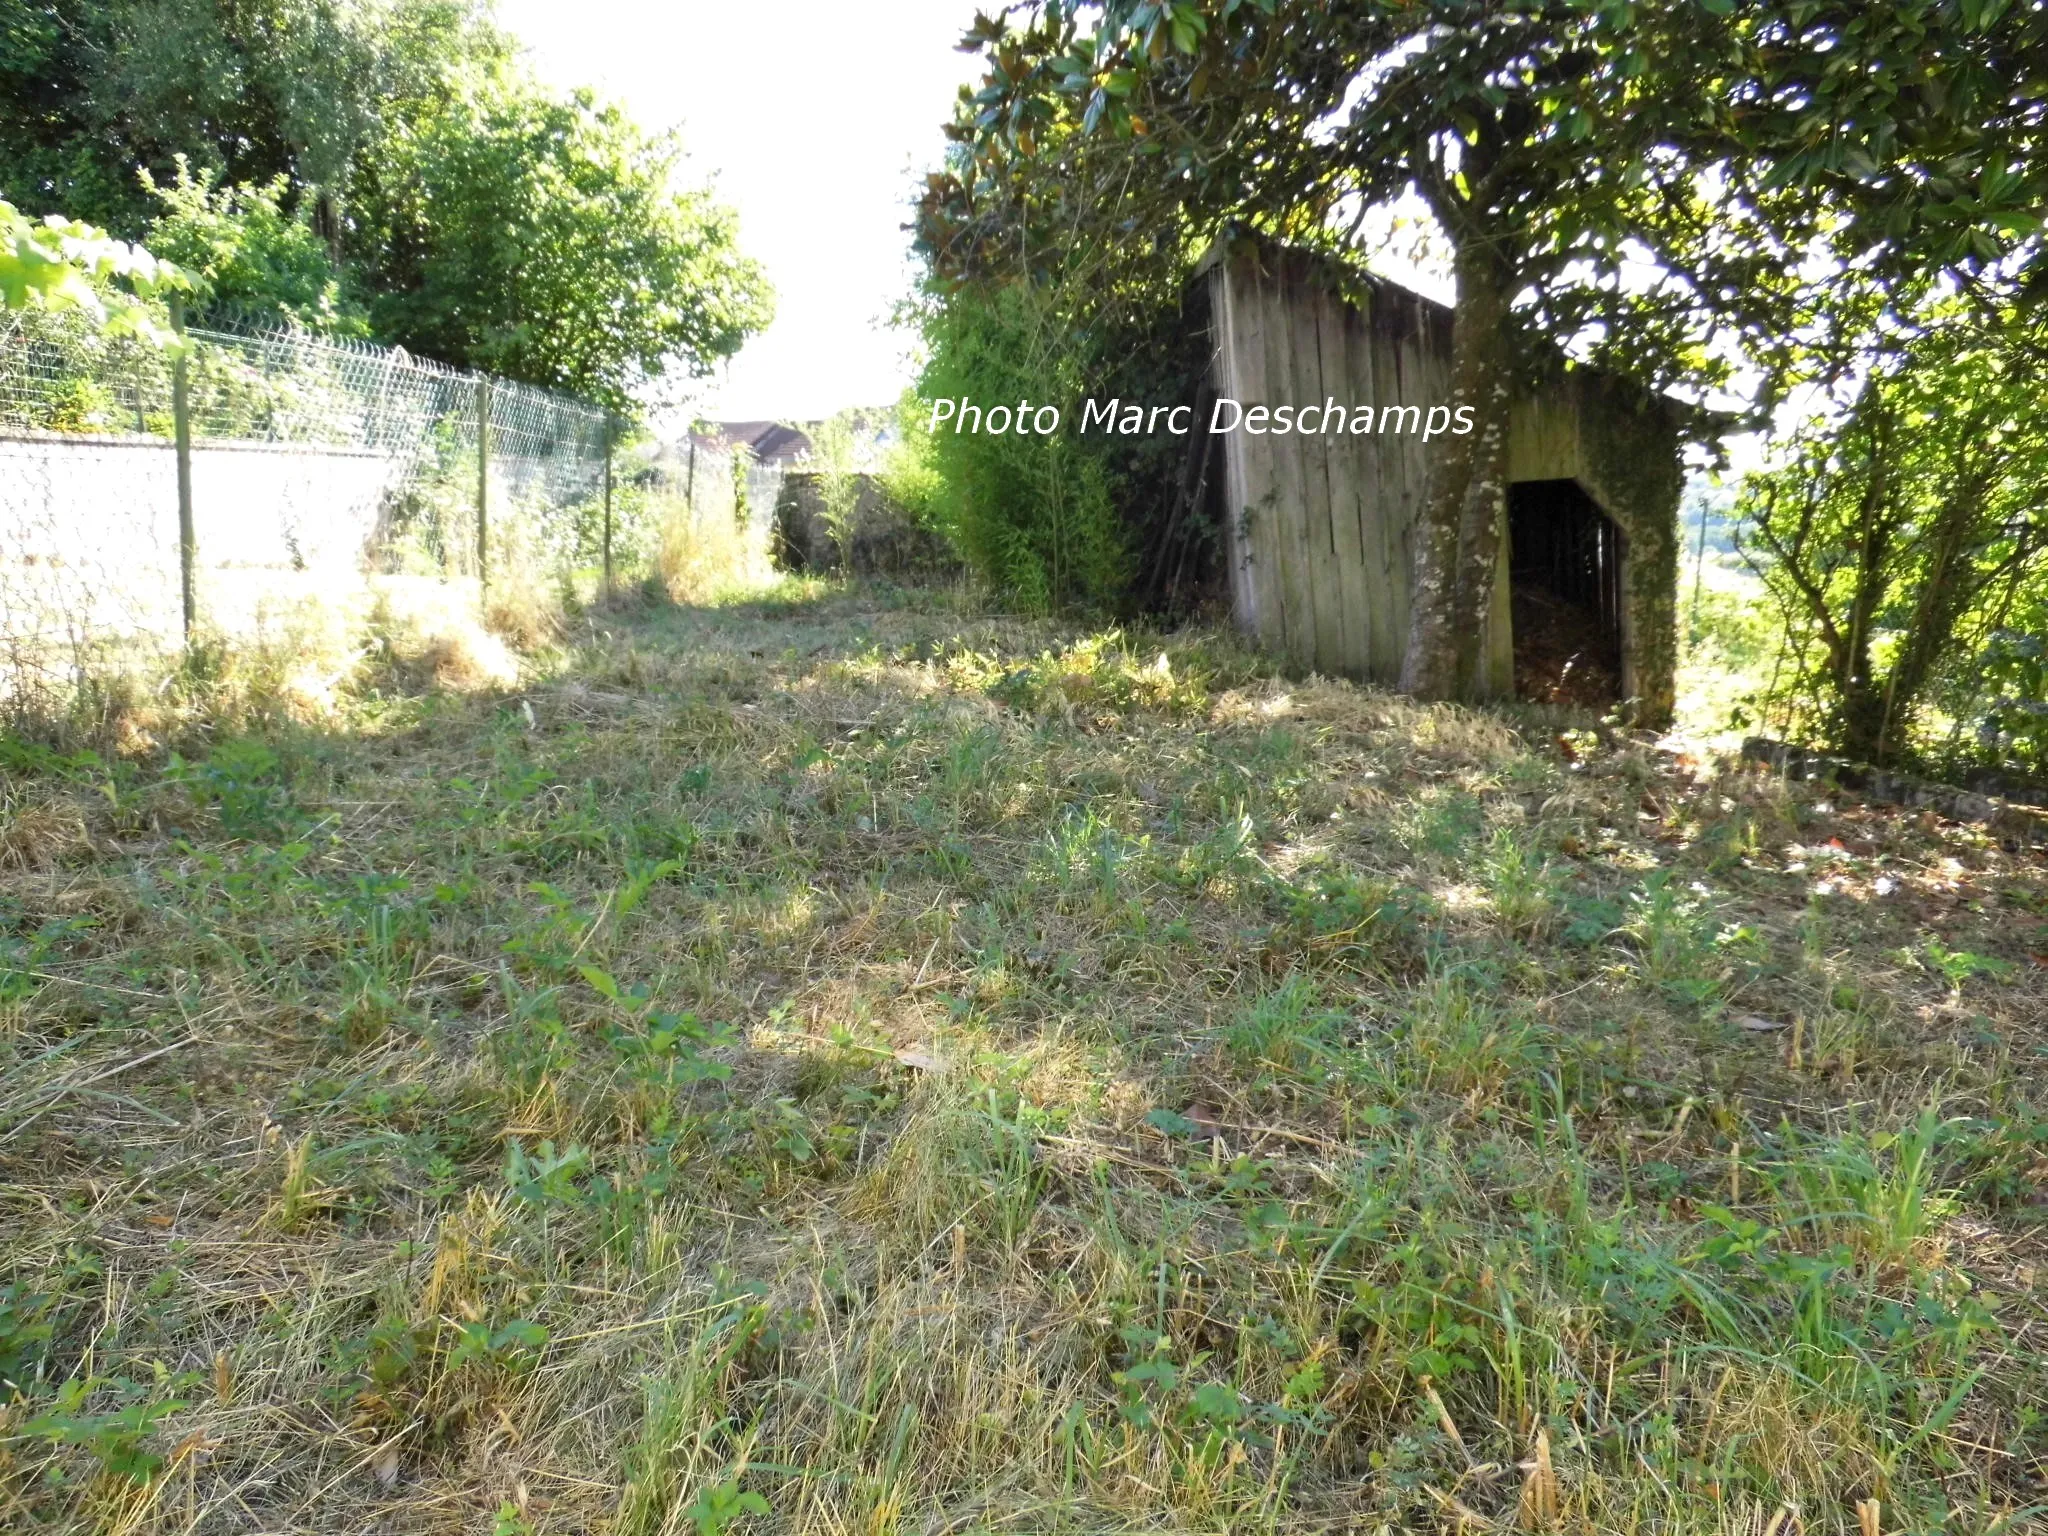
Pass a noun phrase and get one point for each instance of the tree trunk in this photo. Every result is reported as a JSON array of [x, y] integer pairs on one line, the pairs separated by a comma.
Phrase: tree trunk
[[1863, 700], [1862, 719], [1457, 536], [1874, 727]]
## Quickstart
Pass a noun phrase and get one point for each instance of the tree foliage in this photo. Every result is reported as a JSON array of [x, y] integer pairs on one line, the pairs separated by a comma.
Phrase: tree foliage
[[544, 238], [248, 256], [249, 90], [478, 217], [1917, 125], [62, 264], [1911, 536]]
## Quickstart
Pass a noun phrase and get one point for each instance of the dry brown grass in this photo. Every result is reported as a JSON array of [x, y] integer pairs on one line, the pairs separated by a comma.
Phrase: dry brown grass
[[709, 559], [466, 660], [41, 835], [306, 667], [522, 617], [1072, 1091]]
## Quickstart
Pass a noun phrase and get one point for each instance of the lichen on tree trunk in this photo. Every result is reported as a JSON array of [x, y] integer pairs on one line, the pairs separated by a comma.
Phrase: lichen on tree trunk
[[1457, 547]]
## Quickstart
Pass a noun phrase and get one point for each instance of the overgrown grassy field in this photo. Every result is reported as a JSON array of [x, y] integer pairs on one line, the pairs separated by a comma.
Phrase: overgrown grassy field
[[847, 1064]]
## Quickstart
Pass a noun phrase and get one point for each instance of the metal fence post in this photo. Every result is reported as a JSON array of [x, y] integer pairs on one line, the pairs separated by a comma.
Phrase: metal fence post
[[483, 485], [181, 437], [608, 435]]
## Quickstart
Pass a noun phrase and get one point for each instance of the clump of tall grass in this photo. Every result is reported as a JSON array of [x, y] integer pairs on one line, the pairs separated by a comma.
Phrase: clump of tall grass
[[705, 557], [528, 596], [425, 635], [305, 665]]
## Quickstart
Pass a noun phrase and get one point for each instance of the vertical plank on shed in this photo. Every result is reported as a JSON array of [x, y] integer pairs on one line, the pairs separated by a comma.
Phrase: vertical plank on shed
[[1369, 489], [1266, 510], [1339, 494], [1284, 336], [1318, 545], [1250, 315], [1225, 361]]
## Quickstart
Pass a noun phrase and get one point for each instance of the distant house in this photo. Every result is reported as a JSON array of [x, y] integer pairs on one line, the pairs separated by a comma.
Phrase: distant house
[[770, 442], [787, 445]]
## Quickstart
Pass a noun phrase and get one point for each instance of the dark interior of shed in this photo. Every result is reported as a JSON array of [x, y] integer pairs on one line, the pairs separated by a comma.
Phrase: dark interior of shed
[[1565, 558]]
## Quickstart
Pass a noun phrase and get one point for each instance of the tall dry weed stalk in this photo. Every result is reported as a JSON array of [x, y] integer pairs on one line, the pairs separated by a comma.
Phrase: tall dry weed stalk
[[704, 558]]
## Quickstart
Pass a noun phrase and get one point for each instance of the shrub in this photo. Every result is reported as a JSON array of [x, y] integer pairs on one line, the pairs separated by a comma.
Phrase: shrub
[[1031, 514], [909, 475], [253, 258]]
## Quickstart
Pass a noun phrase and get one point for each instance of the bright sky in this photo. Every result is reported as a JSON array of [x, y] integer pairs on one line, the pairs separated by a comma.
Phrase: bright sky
[[815, 119]]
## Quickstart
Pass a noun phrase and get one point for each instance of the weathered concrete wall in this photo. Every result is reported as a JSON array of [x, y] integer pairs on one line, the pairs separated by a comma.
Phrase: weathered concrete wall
[[1623, 446], [89, 529], [1320, 525]]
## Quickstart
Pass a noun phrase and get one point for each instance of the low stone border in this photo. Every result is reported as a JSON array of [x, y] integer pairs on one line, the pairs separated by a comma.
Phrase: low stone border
[[2027, 823]]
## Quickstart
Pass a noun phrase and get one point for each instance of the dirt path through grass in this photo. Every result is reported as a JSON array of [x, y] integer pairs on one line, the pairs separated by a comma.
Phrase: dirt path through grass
[[844, 1065]]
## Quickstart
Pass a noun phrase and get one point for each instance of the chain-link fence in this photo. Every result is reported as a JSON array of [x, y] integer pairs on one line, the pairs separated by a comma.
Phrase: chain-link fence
[[313, 468]]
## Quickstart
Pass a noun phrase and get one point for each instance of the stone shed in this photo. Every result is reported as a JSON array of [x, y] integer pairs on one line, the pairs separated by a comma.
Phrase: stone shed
[[1318, 526]]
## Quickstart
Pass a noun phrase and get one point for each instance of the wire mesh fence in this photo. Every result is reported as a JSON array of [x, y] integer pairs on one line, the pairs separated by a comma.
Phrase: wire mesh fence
[[315, 467]]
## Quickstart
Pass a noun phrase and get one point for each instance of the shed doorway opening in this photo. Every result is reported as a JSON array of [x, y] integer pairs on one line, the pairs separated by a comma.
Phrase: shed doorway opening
[[1564, 562]]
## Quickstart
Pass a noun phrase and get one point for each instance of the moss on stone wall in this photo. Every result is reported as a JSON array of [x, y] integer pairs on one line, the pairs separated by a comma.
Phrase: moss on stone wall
[[1629, 442]]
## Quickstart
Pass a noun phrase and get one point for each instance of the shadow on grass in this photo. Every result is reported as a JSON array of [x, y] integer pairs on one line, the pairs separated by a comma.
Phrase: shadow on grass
[[922, 1066]]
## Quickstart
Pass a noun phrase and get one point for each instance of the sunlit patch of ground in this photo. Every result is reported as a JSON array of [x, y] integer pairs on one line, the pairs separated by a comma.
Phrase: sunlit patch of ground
[[848, 1063]]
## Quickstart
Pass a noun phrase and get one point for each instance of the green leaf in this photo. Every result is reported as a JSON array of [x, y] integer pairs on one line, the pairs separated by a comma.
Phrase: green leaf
[[1163, 1373], [521, 1334], [1215, 1403]]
